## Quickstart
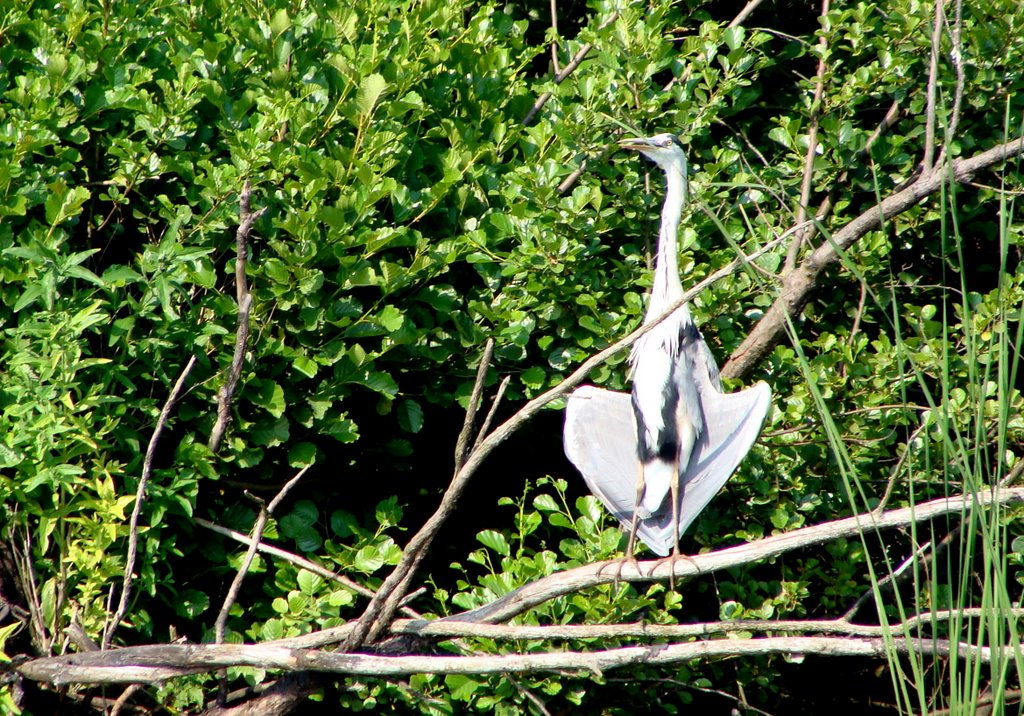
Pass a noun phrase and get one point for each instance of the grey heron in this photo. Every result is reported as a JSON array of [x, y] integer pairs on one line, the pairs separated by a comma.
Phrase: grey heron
[[655, 458]]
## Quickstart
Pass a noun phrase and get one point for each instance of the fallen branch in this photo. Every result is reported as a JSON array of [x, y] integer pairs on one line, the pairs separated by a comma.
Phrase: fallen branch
[[444, 629], [148, 664], [686, 567]]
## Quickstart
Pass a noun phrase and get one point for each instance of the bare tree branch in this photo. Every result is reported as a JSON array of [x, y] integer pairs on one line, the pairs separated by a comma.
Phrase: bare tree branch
[[243, 569], [254, 541], [148, 664], [247, 218], [140, 496], [447, 629], [295, 559], [281, 698], [798, 285], [687, 567], [554, 31], [485, 427], [122, 701], [745, 12]]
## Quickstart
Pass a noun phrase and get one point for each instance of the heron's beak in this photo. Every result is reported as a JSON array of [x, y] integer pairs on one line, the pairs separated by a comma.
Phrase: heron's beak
[[638, 144]]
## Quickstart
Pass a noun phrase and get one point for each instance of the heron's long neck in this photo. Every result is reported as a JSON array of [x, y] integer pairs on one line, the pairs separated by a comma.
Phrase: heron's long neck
[[667, 287]]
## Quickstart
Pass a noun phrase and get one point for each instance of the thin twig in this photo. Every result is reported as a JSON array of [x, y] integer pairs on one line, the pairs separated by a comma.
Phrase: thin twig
[[257, 534], [37, 625], [286, 556], [896, 576], [907, 452], [236, 584], [927, 161], [122, 700], [553, 5], [855, 327], [465, 435], [140, 496], [1009, 696], [957, 59], [580, 55], [741, 702], [812, 144], [485, 427], [247, 218]]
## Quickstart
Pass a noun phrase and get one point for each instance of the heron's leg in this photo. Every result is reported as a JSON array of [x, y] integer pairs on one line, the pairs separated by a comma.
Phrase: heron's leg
[[636, 511], [674, 494], [633, 527]]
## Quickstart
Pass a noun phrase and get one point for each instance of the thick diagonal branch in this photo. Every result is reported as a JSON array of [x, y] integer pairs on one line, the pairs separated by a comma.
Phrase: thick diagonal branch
[[800, 283]]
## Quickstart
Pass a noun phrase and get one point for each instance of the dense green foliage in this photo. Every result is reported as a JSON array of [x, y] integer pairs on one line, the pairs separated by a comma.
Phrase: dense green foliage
[[410, 214]]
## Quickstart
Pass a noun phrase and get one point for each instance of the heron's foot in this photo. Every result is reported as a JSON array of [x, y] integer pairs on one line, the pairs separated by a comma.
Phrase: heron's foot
[[619, 564], [671, 560]]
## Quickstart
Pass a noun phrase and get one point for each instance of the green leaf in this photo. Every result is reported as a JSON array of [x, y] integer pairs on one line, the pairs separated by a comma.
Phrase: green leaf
[[534, 377], [545, 503], [308, 582], [343, 523], [495, 541], [272, 629], [64, 203], [391, 319], [280, 22], [733, 36], [370, 90], [410, 416], [368, 560], [461, 687], [302, 454], [270, 397], [306, 366], [191, 603]]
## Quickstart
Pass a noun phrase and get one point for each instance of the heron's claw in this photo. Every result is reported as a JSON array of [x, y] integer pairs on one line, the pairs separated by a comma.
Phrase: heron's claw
[[676, 554]]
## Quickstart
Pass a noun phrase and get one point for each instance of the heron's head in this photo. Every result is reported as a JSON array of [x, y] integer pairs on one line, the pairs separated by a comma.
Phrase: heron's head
[[665, 150]]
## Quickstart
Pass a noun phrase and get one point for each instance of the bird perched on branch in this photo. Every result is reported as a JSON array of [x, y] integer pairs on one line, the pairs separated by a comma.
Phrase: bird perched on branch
[[655, 458]]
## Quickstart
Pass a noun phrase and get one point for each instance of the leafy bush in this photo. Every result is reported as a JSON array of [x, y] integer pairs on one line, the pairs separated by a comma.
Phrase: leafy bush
[[410, 212]]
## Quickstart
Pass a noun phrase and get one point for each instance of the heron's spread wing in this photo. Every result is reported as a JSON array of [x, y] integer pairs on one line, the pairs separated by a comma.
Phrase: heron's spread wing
[[600, 440]]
